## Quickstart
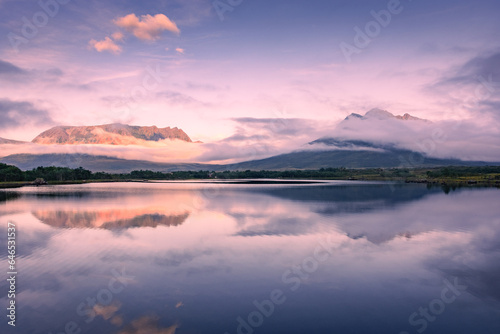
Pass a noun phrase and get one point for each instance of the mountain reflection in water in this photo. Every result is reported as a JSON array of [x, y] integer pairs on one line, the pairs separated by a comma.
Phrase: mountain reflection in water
[[107, 220], [198, 258]]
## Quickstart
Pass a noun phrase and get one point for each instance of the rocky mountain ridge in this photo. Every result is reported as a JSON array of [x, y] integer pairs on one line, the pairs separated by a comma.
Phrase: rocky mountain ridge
[[109, 134]]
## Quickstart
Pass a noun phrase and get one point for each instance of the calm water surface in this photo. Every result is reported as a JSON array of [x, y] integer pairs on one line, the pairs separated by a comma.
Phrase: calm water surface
[[340, 257]]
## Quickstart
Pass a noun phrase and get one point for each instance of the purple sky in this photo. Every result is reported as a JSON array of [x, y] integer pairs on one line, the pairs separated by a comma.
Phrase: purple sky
[[207, 67]]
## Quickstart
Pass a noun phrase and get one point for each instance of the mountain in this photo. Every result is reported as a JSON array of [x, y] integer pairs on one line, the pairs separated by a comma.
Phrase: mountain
[[336, 151], [295, 160], [350, 159], [98, 163], [408, 117], [8, 141], [383, 115], [109, 219], [111, 134]]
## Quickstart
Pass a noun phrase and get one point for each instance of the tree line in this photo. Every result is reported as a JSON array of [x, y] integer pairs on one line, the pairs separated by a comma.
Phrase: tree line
[[10, 173]]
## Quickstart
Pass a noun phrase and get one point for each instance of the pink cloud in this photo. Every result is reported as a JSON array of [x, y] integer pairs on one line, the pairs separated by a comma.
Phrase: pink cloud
[[106, 45], [147, 27], [118, 36]]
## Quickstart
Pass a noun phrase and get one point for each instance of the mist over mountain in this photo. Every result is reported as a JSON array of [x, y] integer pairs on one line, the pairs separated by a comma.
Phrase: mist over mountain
[[381, 114], [473, 139], [376, 139], [342, 144]]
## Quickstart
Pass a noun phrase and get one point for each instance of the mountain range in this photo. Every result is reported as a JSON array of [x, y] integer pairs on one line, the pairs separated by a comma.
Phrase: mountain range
[[321, 153], [110, 134], [290, 161], [380, 114], [123, 134], [97, 163]]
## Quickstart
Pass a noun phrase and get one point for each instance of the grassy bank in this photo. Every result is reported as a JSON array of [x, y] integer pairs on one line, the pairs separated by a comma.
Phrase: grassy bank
[[6, 185], [463, 176]]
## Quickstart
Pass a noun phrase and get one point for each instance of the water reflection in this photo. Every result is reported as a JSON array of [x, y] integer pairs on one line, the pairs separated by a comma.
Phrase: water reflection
[[111, 219], [195, 257], [6, 195]]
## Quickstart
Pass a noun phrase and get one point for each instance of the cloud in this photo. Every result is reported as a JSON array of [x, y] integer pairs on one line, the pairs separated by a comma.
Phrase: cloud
[[106, 45], [14, 74], [147, 27], [177, 98], [21, 113], [161, 151], [107, 312], [34, 240], [200, 86], [472, 139], [221, 152], [435, 48], [279, 226], [279, 126], [118, 36], [473, 86], [483, 66], [239, 137], [9, 69], [147, 324], [46, 282], [54, 72], [258, 138], [472, 71]]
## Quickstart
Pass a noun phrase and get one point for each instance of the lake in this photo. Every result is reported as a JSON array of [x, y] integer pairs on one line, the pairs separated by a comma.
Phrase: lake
[[334, 257]]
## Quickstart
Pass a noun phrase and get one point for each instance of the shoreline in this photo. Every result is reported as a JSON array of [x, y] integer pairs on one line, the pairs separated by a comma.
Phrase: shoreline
[[478, 181]]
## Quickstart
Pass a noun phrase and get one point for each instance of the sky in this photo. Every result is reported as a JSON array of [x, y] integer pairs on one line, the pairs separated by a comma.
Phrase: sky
[[230, 73]]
